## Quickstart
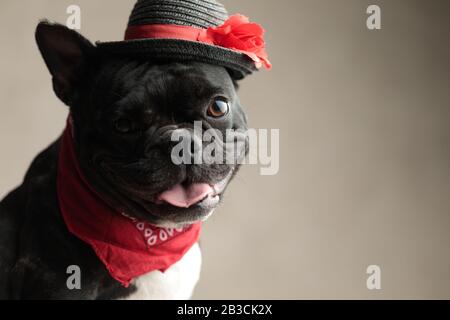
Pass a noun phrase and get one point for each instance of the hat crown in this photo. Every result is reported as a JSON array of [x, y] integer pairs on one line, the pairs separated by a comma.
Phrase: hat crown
[[193, 13]]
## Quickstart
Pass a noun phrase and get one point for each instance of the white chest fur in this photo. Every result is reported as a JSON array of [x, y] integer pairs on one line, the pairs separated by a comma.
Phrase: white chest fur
[[177, 283]]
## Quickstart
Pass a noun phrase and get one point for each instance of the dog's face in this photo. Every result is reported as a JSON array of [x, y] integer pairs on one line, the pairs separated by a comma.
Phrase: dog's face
[[125, 113]]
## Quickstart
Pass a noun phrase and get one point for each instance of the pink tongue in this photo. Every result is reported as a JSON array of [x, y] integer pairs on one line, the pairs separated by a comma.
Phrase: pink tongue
[[184, 197]]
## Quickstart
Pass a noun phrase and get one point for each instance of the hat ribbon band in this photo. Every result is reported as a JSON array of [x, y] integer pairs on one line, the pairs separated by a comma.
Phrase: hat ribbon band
[[164, 31]]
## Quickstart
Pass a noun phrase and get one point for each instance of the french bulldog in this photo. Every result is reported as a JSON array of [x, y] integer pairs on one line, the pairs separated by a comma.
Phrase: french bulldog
[[123, 111]]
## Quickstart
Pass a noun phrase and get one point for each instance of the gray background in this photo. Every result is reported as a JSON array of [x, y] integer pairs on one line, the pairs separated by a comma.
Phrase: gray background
[[365, 146]]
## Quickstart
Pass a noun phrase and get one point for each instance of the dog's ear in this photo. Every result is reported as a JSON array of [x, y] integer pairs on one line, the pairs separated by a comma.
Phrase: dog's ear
[[66, 54]]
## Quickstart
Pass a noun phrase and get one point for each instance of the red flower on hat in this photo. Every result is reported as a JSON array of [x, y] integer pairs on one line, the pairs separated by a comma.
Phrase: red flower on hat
[[239, 34]]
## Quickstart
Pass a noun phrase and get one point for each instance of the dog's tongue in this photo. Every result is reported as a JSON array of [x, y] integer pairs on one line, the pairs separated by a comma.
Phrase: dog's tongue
[[186, 196]]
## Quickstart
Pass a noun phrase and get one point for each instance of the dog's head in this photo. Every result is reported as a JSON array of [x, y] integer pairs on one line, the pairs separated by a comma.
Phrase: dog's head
[[125, 113]]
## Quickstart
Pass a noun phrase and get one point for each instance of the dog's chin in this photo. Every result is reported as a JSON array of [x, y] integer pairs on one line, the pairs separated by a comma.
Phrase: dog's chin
[[169, 216], [179, 206], [182, 217]]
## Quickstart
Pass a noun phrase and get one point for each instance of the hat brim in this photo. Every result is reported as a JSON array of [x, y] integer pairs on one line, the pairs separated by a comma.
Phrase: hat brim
[[239, 64]]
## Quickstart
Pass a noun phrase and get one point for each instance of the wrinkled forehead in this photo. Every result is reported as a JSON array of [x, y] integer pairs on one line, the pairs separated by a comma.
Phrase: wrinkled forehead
[[133, 84], [122, 77]]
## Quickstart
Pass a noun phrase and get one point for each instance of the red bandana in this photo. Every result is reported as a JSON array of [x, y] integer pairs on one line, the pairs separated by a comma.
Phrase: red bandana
[[128, 248]]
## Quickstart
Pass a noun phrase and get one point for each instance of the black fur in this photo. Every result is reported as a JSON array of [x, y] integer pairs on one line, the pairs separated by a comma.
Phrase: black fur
[[128, 170]]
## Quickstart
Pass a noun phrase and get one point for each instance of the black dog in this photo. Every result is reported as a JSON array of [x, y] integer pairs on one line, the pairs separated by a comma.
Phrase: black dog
[[123, 112]]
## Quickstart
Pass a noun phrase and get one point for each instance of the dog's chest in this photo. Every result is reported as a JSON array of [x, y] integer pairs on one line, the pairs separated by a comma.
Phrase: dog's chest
[[177, 283]]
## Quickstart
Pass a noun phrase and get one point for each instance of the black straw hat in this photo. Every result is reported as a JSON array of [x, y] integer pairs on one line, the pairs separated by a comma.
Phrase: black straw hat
[[192, 30]]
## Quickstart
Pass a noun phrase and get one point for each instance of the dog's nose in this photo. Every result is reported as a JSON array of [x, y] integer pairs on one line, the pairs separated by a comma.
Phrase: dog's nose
[[172, 139], [186, 147]]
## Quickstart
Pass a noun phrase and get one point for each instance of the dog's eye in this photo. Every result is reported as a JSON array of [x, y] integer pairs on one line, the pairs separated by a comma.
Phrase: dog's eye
[[219, 108], [123, 125]]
